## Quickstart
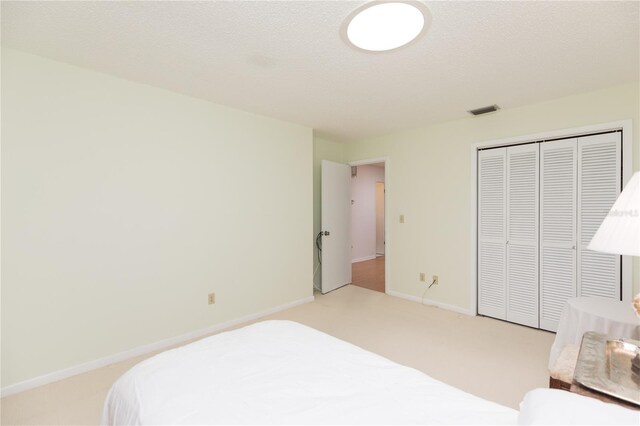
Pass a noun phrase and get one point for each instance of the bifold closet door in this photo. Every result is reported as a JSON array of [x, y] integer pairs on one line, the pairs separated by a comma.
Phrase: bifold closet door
[[539, 205], [522, 234], [492, 233], [558, 186], [599, 184]]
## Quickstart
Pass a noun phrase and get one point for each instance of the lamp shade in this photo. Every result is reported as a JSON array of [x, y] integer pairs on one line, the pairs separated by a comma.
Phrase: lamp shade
[[619, 233]]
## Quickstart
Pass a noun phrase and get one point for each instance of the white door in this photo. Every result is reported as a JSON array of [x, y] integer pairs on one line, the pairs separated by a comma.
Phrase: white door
[[522, 234], [558, 188], [599, 185], [492, 233], [335, 225]]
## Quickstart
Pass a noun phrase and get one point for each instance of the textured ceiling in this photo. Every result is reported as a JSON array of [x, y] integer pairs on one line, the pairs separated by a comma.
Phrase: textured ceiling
[[287, 60]]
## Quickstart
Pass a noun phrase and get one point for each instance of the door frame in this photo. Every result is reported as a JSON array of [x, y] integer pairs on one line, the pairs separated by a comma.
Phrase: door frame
[[387, 246], [384, 215], [625, 126]]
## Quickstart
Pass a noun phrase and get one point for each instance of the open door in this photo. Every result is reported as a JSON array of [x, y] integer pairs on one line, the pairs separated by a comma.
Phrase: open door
[[336, 225]]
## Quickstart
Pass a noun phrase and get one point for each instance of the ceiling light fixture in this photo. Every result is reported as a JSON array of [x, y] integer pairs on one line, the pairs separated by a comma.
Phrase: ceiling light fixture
[[380, 26]]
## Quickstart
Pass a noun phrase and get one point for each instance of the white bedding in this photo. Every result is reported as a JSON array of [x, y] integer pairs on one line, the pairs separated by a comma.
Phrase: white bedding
[[559, 407], [282, 372]]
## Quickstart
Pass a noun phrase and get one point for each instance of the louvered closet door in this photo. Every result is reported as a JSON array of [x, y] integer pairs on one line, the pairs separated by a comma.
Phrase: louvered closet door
[[522, 234], [558, 186], [599, 159], [492, 232]]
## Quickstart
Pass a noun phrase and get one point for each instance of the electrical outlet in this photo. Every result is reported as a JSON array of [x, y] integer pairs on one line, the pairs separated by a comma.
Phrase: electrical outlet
[[423, 277], [212, 298], [435, 279], [401, 218]]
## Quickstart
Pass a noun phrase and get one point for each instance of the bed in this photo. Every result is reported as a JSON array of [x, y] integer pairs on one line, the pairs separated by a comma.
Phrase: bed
[[282, 372]]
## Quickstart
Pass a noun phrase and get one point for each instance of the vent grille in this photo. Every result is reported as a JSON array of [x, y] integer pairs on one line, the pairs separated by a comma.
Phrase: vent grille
[[484, 110]]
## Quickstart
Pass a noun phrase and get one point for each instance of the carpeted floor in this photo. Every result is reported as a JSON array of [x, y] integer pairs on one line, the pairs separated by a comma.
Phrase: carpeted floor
[[495, 360]]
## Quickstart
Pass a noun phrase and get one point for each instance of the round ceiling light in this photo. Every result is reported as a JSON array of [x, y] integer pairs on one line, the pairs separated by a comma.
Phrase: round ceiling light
[[381, 26]]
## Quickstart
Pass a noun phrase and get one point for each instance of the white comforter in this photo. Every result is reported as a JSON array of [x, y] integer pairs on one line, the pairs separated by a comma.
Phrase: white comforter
[[282, 372]]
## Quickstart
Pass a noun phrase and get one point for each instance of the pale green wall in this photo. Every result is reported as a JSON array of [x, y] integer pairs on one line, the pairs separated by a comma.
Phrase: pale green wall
[[323, 149], [124, 205], [429, 182]]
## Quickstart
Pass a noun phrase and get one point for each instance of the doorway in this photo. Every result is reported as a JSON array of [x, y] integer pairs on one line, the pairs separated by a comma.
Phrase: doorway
[[368, 226]]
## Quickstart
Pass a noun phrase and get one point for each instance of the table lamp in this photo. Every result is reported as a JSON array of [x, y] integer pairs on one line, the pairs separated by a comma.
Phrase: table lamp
[[619, 233]]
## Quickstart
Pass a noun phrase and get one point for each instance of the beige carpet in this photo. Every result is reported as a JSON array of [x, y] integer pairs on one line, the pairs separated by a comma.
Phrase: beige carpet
[[489, 358]]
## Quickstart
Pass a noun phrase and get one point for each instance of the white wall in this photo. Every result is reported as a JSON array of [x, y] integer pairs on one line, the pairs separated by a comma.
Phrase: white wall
[[363, 212], [429, 182], [124, 205]]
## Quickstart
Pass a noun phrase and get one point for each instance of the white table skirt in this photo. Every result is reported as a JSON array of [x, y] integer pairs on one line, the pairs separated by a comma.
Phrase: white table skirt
[[581, 314]]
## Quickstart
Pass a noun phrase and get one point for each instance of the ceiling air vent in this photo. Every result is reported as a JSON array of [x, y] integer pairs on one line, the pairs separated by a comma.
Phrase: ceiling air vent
[[484, 110]]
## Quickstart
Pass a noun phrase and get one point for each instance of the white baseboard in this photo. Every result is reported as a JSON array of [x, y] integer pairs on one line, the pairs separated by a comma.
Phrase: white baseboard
[[141, 350], [441, 305], [362, 259]]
